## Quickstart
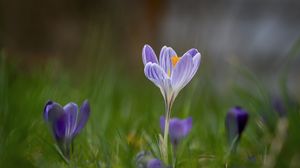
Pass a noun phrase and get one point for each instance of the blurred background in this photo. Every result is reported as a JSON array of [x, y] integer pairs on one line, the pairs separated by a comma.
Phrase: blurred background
[[256, 34], [72, 50]]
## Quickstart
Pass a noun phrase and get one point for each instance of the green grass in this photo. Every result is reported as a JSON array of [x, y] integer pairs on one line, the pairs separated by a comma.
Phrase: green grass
[[123, 106]]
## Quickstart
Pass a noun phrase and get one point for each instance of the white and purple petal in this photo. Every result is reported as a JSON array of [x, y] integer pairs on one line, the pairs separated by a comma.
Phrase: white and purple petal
[[157, 75], [165, 60], [148, 55], [182, 72], [193, 52]]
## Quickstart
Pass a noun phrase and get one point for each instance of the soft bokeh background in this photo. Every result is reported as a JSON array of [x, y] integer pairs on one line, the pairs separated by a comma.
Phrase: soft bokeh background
[[72, 50]]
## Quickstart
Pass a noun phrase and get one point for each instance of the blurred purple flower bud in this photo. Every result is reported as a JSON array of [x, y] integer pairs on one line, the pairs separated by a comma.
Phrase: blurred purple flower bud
[[155, 163], [178, 128], [236, 121], [279, 106]]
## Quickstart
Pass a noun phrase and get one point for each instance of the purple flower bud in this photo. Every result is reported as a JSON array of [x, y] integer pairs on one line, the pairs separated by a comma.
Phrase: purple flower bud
[[279, 106], [155, 163], [178, 128], [236, 121], [66, 122]]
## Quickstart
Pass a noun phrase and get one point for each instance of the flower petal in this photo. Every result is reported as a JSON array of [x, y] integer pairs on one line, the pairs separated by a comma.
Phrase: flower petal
[[71, 111], [165, 59], [83, 116], [188, 123], [196, 61], [148, 55], [177, 129], [60, 127], [52, 111], [193, 52], [181, 74], [157, 75]]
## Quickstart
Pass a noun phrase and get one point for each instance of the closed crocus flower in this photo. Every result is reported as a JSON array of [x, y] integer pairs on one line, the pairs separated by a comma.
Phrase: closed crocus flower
[[178, 128], [236, 121], [66, 122]]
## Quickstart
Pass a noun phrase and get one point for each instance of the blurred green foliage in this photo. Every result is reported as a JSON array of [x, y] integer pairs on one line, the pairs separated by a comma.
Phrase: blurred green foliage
[[125, 118]]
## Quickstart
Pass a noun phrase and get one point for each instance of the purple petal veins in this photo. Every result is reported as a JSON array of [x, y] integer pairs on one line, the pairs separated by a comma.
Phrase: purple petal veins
[[182, 72], [157, 75], [165, 60], [149, 55]]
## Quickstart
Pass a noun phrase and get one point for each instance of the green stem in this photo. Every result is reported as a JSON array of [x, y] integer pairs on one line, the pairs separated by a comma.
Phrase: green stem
[[164, 151], [174, 156]]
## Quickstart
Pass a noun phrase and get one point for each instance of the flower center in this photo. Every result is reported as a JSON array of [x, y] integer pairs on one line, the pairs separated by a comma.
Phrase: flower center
[[175, 60]]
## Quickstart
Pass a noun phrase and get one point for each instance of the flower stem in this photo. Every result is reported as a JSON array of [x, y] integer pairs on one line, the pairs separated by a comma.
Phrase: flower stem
[[166, 133]]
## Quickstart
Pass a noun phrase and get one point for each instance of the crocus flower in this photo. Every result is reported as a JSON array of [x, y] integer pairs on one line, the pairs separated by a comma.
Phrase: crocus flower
[[145, 159], [178, 128], [66, 122], [171, 73], [279, 106], [236, 121], [155, 163]]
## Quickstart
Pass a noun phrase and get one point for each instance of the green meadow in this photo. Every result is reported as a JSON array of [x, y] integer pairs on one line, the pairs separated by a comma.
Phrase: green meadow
[[125, 112]]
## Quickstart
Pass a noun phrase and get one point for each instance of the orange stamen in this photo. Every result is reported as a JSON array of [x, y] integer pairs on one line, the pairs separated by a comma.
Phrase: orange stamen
[[174, 60]]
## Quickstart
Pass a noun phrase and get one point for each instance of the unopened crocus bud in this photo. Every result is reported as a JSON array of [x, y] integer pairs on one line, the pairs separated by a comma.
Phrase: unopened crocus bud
[[66, 122], [236, 121]]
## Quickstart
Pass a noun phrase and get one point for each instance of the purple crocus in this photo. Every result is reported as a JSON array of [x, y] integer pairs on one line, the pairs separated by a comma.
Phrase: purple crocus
[[236, 121], [155, 163], [279, 106], [145, 159], [171, 73], [178, 128], [66, 122]]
